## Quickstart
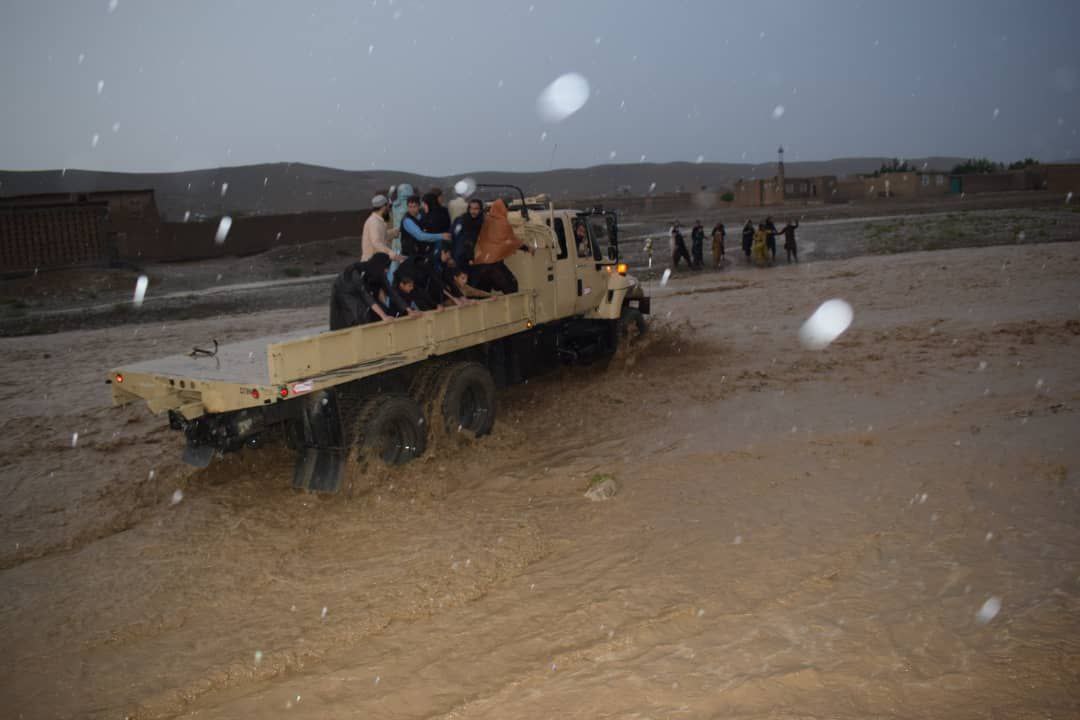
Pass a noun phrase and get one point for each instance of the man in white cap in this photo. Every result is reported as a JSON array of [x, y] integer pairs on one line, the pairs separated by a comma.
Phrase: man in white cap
[[376, 237]]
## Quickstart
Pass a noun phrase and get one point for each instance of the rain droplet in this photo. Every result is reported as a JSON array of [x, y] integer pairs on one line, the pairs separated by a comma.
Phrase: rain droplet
[[112, 5], [223, 230], [94, 140], [762, 35], [652, 185], [224, 188], [982, 365], [543, 136], [997, 111], [665, 277], [100, 86], [989, 536], [265, 181], [140, 290], [74, 439], [323, 615], [82, 56], [187, 215], [989, 610], [700, 159], [177, 496], [151, 476], [738, 540], [370, 49], [778, 112], [116, 127], [826, 324], [611, 155], [1068, 197], [597, 40], [465, 187], [563, 97], [258, 656]]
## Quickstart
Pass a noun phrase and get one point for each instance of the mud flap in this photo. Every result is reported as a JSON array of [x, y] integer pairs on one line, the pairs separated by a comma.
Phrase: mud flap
[[198, 455], [321, 461], [319, 470]]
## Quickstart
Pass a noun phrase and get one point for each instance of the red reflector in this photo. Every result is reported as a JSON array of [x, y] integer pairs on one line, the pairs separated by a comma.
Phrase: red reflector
[[284, 392], [119, 378], [255, 393]]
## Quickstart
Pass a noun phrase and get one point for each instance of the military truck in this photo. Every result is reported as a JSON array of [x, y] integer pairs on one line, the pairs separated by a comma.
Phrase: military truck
[[377, 391]]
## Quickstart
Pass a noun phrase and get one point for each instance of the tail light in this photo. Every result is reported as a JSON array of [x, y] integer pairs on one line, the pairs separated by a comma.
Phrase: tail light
[[622, 268], [119, 378]]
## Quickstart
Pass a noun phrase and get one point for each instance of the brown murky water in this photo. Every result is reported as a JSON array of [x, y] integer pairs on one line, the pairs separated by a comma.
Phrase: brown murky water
[[796, 534]]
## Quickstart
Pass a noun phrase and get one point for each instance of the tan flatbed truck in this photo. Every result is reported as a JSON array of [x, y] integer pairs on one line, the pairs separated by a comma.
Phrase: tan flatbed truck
[[375, 390]]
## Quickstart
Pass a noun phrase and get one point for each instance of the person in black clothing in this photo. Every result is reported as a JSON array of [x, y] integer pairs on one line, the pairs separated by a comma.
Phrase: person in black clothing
[[789, 240], [435, 219], [748, 238], [466, 231], [427, 292], [362, 294], [697, 244], [678, 247], [770, 242]]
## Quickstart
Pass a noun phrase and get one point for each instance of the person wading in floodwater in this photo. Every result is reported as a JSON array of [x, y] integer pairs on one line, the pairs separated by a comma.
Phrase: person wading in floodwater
[[789, 240], [678, 247]]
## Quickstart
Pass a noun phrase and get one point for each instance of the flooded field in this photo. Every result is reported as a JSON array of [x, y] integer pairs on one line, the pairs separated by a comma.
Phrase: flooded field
[[887, 527]]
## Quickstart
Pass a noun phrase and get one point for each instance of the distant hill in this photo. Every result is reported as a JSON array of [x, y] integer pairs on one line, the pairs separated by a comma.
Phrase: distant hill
[[296, 187]]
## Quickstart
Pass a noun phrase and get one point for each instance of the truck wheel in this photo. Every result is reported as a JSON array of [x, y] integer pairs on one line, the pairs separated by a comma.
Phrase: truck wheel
[[467, 399], [391, 428], [631, 324]]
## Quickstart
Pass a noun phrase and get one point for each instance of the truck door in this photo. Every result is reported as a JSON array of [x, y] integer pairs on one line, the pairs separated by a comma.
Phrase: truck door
[[563, 270], [590, 281]]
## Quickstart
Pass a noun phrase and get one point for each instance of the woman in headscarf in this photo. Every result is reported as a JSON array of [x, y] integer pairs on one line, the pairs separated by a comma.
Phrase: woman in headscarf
[[398, 211], [362, 294], [760, 250]]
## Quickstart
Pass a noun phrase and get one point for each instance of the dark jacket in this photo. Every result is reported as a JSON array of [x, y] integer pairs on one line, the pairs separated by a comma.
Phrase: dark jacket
[[437, 218], [697, 235], [466, 231], [356, 290]]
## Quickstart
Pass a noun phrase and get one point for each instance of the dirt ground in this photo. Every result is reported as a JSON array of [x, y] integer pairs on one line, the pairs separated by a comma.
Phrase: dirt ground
[[796, 534]]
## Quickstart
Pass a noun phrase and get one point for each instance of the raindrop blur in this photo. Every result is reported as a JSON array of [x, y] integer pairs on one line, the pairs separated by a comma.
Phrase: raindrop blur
[[611, 155], [563, 97], [665, 277], [82, 56], [370, 49], [258, 656], [112, 5], [324, 611], [778, 112], [1068, 197], [94, 140], [265, 181], [187, 215], [642, 158], [223, 230], [176, 497], [116, 127], [738, 540], [100, 86], [224, 188], [997, 111], [140, 290], [826, 324], [74, 439], [543, 136], [465, 187], [989, 610], [762, 35], [652, 185]]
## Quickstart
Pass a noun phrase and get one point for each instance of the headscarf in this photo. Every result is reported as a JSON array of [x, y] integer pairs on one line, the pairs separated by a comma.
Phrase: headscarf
[[399, 210], [497, 240]]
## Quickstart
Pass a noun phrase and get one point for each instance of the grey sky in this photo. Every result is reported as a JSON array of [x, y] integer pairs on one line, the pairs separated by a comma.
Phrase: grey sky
[[452, 86]]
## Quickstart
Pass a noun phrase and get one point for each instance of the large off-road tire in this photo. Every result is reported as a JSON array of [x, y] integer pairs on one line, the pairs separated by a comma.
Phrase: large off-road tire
[[632, 324], [390, 428], [465, 399]]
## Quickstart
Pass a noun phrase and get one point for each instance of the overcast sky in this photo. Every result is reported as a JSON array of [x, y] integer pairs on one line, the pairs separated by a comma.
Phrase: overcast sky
[[443, 87]]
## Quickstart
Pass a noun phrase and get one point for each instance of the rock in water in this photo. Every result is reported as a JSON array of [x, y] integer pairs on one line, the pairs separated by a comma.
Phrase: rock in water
[[602, 487]]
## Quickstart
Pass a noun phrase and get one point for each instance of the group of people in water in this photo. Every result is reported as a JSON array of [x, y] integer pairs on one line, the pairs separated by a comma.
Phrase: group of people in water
[[758, 244], [414, 259]]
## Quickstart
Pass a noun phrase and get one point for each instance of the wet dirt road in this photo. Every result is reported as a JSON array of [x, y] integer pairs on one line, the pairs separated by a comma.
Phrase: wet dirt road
[[796, 533]]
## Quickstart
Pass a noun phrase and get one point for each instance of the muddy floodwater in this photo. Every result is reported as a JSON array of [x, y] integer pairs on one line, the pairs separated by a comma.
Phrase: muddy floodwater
[[888, 527]]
